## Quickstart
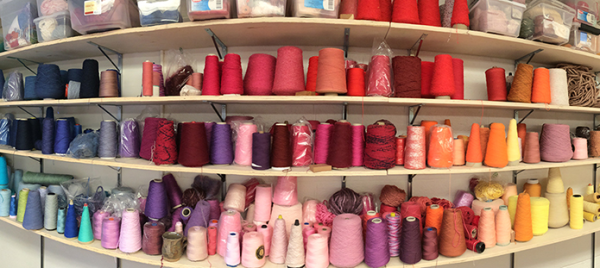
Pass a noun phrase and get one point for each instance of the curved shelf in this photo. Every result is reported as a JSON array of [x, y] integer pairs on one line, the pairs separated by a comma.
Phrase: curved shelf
[[551, 237], [298, 32], [137, 163]]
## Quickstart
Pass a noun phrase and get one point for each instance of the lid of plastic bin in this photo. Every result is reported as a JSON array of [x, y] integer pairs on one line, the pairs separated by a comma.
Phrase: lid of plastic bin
[[554, 3], [64, 13], [503, 1]]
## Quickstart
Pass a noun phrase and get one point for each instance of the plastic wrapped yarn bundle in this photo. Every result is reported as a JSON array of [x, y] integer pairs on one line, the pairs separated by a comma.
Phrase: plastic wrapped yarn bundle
[[379, 77], [129, 145], [235, 198], [309, 210], [286, 191], [84, 146], [302, 154]]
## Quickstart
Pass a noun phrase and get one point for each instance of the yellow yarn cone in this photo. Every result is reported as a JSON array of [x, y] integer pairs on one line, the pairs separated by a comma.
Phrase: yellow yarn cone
[[512, 144]]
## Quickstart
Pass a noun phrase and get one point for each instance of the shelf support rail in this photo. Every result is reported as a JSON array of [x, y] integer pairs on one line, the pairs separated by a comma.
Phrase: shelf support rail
[[24, 65], [417, 45], [413, 111], [345, 111], [515, 175], [516, 115], [41, 111], [119, 65], [409, 186], [346, 41], [530, 55], [223, 114], [218, 43], [343, 182], [118, 117]]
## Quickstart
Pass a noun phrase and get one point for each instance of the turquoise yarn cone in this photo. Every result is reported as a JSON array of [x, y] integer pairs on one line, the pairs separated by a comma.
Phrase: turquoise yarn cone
[[60, 220], [86, 235], [71, 229]]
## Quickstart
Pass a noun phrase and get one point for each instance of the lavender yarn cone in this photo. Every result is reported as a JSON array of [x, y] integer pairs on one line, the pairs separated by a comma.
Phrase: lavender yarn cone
[[200, 216]]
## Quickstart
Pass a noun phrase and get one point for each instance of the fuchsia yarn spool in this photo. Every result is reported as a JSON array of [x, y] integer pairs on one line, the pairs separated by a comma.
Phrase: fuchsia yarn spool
[[289, 71], [358, 144], [322, 140], [211, 84], [231, 75], [379, 77], [149, 136], [259, 75]]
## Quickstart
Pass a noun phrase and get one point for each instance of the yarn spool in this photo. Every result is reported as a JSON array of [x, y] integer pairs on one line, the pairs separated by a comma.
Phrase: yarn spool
[[415, 152], [259, 75], [459, 76], [405, 11], [531, 153], [555, 182], [452, 238], [594, 142], [559, 87], [474, 156], [410, 241], [512, 144], [487, 228], [48, 84], [558, 215], [426, 74], [148, 136], [235, 198], [478, 205], [576, 208], [200, 217], [429, 13], [355, 80], [5, 199], [555, 145], [279, 241], [231, 75], [430, 244], [589, 216], [97, 220], [460, 15], [496, 152], [346, 248], [378, 76], [368, 10], [156, 204], [441, 147], [22, 198], [107, 142], [165, 148], [317, 251], [581, 148], [90, 80], [340, 148], [407, 76], [129, 145], [521, 88], [380, 146], [400, 145], [539, 215], [484, 135], [230, 221], [243, 144], [152, 239], [331, 74], [24, 139], [428, 125], [541, 86], [211, 83], [281, 154], [33, 217], [522, 223], [522, 133], [358, 145], [503, 227], [322, 140], [289, 71], [261, 150], [193, 149], [221, 138], [197, 245], [393, 226], [442, 82], [130, 240], [253, 252], [533, 188], [111, 228], [109, 84], [295, 251], [377, 252], [593, 198], [510, 189], [463, 199]]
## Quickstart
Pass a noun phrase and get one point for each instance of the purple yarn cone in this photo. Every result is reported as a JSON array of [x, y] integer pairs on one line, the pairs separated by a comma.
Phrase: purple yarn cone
[[156, 203], [200, 216], [173, 191], [377, 253], [175, 218], [130, 139], [222, 153], [186, 214]]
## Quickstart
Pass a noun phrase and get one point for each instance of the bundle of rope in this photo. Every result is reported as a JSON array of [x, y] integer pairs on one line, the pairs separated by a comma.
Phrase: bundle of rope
[[582, 86]]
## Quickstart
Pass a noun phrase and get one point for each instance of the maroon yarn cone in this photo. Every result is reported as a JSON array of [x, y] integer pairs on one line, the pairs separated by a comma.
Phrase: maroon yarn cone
[[149, 137], [289, 71], [193, 146]]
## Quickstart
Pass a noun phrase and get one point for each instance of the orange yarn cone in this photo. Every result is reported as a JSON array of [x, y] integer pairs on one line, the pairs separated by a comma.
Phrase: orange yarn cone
[[520, 90], [441, 147], [428, 124], [523, 226], [434, 216], [484, 135], [474, 153], [522, 133], [541, 86], [496, 154]]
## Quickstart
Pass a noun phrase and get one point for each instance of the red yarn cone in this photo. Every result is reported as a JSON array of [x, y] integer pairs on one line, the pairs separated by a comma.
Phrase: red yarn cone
[[429, 13], [231, 75], [368, 10], [442, 82], [460, 14], [405, 11], [165, 150], [386, 10], [311, 75]]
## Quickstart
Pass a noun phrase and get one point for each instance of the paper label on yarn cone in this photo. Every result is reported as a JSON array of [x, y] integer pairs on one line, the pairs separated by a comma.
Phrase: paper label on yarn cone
[[320, 4], [206, 5], [260, 252]]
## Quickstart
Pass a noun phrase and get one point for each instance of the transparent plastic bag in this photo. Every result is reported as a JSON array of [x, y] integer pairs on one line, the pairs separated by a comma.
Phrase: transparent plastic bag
[[188, 90], [85, 191], [177, 70], [117, 203], [260, 8], [5, 125], [157, 12], [84, 146], [149, 111], [488, 189], [441, 147], [285, 192], [14, 88], [129, 143], [242, 138], [309, 210], [379, 73], [302, 143]]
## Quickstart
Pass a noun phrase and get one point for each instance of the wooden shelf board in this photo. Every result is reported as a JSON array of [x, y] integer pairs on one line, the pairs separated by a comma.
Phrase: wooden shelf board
[[551, 237]]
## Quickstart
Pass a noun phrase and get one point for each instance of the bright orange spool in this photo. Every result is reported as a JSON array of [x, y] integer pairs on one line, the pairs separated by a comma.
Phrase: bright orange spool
[[434, 217], [523, 226], [331, 73], [428, 124], [484, 135], [541, 86], [356, 82], [474, 153], [441, 147], [496, 154]]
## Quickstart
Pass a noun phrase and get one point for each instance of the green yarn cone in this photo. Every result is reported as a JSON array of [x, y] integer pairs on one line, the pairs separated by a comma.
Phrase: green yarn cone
[[85, 229]]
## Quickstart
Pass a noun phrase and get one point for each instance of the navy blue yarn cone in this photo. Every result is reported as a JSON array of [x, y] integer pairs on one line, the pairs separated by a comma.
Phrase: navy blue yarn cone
[[90, 80], [48, 84], [48, 133], [30, 93]]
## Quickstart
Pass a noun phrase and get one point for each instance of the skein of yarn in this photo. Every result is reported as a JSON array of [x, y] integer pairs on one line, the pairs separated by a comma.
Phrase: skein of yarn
[[555, 145], [346, 249]]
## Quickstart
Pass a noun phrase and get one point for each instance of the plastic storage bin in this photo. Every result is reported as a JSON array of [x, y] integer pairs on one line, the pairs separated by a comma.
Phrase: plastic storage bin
[[156, 12], [315, 8], [260, 8], [497, 16], [50, 7], [18, 28], [208, 9], [586, 11], [547, 21], [92, 16], [57, 26], [582, 40]]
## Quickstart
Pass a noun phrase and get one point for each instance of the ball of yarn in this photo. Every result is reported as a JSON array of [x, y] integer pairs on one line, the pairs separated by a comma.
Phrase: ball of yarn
[[392, 196], [345, 201], [488, 190], [323, 215], [446, 204]]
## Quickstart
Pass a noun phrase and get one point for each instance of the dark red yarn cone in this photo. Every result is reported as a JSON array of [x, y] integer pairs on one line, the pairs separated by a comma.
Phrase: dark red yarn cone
[[165, 150], [380, 146], [429, 13], [460, 13], [193, 148], [340, 146], [386, 10], [368, 10], [405, 11]]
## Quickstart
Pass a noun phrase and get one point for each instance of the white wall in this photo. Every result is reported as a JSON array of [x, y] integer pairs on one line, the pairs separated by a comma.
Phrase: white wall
[[22, 249]]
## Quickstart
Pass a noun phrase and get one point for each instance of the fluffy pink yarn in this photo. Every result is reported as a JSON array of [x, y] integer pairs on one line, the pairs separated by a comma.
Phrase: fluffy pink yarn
[[446, 204], [323, 215]]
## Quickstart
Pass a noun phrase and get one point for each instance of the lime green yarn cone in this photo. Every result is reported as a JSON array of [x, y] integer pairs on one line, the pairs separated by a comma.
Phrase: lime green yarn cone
[[85, 229], [22, 204]]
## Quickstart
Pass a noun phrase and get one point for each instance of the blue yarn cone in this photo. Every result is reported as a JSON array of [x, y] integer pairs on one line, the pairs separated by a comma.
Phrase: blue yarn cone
[[3, 173], [71, 228], [34, 217], [60, 220], [13, 206]]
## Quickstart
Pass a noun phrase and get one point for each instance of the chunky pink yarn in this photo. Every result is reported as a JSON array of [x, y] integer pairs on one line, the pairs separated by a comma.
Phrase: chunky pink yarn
[[423, 202], [323, 215]]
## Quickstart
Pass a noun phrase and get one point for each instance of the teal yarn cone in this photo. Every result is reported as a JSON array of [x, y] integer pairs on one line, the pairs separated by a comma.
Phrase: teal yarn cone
[[3, 173], [86, 235], [61, 217], [71, 229], [34, 217]]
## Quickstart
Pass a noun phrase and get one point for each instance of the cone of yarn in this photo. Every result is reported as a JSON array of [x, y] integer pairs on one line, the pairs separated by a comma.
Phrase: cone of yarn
[[317, 251], [531, 153], [495, 79], [576, 211], [410, 241], [474, 156], [440, 147], [380, 146], [555, 183], [358, 146], [452, 238], [415, 151], [459, 76], [558, 215], [295, 250], [33, 218], [512, 208], [593, 198], [400, 145], [520, 90], [559, 87], [523, 224], [460, 16], [259, 75], [594, 142], [165, 148], [442, 82], [503, 227], [379, 76], [340, 147], [429, 13], [581, 148], [428, 125], [555, 143], [211, 83], [230, 221], [346, 248], [149, 136], [243, 144], [355, 81], [539, 215], [253, 251], [279, 242], [385, 6], [311, 74], [484, 135], [200, 216], [289, 71], [235, 198], [197, 249], [262, 201], [426, 74], [331, 74], [368, 10], [458, 154], [407, 76], [130, 238], [522, 133], [281, 153], [376, 244], [510, 189], [405, 11], [434, 216], [512, 144], [541, 86], [487, 228], [286, 191], [193, 149], [533, 188], [589, 189], [496, 152], [86, 235]]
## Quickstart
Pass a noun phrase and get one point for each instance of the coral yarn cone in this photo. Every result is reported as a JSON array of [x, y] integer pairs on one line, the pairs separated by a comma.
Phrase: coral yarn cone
[[531, 153], [484, 135], [541, 86], [441, 147], [523, 225], [496, 154], [512, 143], [474, 153]]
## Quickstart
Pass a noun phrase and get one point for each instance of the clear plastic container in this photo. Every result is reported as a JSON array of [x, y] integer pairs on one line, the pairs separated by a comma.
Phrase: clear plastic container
[[547, 21], [49, 7], [56, 26], [582, 40], [260, 8], [157, 12], [18, 28], [315, 8], [586, 11], [497, 16], [208, 9], [92, 16]]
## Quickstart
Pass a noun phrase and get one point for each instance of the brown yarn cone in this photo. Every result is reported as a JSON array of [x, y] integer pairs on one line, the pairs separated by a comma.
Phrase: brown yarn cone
[[594, 143], [520, 91], [531, 153], [452, 238]]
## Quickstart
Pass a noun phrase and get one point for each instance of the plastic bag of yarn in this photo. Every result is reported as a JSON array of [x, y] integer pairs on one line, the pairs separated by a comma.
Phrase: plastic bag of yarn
[[84, 146], [117, 203], [86, 187], [302, 143], [129, 143], [5, 125], [94, 202], [14, 87], [488, 190], [177, 69], [379, 75], [260, 8]]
